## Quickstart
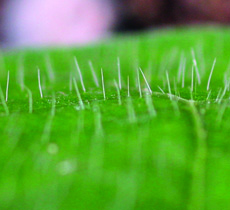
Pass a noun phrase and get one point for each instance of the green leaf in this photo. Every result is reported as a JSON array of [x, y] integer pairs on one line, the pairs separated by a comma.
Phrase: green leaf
[[137, 122]]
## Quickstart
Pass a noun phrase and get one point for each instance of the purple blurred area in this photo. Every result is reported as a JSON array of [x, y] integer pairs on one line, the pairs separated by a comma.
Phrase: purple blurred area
[[56, 22], [79, 22]]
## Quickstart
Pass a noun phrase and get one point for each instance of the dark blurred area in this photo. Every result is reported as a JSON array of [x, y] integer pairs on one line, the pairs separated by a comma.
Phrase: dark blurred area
[[78, 22], [142, 14]]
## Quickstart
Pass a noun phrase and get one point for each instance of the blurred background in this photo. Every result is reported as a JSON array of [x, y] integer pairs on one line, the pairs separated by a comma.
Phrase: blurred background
[[80, 22]]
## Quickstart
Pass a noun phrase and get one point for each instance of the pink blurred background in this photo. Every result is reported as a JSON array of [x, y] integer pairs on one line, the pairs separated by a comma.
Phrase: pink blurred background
[[56, 22], [79, 22]]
